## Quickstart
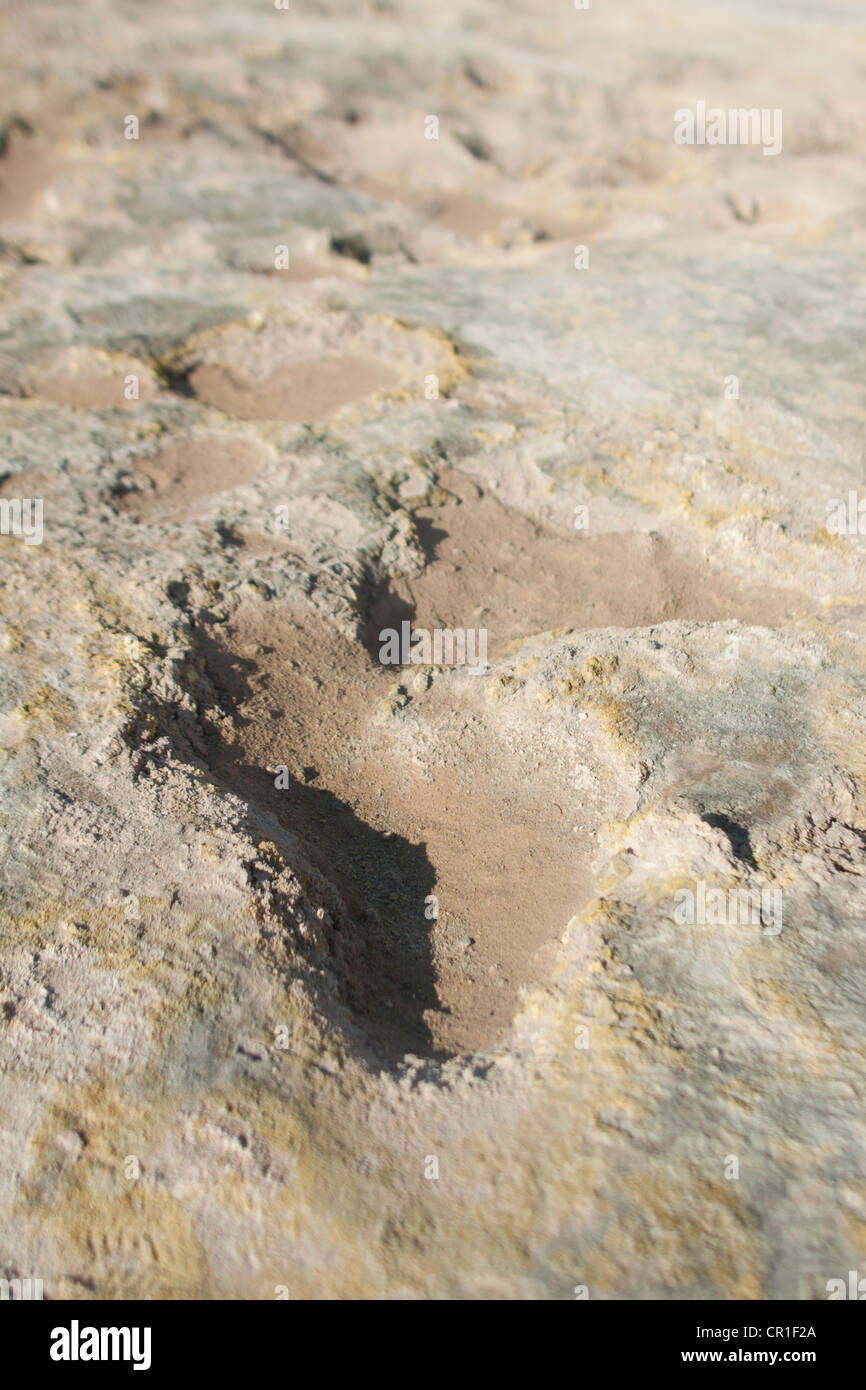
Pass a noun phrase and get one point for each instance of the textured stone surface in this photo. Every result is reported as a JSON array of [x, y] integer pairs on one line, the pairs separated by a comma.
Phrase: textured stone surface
[[236, 985]]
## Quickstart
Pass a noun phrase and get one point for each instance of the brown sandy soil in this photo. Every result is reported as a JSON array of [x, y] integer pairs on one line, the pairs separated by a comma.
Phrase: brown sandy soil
[[393, 829], [482, 219], [27, 484], [84, 390], [302, 392], [301, 270], [469, 215], [27, 166], [188, 470], [496, 568]]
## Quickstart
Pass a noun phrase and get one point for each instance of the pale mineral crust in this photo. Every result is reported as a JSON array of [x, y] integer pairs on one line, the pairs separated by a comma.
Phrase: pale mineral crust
[[325, 979]]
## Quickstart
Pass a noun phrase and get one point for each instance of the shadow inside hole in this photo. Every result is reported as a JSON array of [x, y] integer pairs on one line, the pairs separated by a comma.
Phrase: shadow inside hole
[[385, 607], [385, 610], [382, 947], [737, 834]]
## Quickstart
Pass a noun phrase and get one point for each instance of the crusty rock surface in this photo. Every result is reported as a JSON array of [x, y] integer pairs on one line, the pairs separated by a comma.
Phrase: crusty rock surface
[[240, 1055]]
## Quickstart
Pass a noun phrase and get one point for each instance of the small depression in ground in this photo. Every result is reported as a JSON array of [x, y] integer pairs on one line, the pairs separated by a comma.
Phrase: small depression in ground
[[448, 811]]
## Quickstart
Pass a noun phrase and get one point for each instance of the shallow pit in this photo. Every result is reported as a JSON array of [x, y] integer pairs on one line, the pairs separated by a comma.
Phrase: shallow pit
[[300, 392], [398, 803]]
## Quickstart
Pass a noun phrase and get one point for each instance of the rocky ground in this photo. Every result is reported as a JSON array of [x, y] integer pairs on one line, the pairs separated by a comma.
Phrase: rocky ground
[[325, 978]]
